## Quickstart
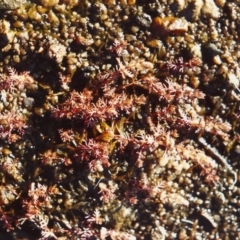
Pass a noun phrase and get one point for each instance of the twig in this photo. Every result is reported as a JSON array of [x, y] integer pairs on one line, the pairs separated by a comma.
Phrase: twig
[[220, 158]]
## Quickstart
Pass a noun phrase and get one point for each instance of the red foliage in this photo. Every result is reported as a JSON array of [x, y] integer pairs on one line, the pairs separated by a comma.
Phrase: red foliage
[[179, 66]]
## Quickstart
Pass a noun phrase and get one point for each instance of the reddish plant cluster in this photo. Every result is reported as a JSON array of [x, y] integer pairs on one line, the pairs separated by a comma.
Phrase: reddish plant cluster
[[13, 125], [14, 81], [80, 105], [95, 153], [113, 99], [39, 197], [12, 93], [179, 65], [118, 46], [113, 140]]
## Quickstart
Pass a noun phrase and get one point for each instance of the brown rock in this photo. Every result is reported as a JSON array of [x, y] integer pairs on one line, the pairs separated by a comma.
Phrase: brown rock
[[162, 27], [11, 4], [49, 3]]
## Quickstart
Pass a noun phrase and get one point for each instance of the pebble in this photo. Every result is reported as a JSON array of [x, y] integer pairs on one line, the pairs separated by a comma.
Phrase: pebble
[[210, 9], [217, 60], [49, 3], [233, 80], [220, 3], [57, 51], [10, 4], [169, 25]]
